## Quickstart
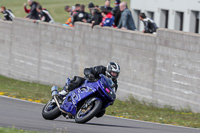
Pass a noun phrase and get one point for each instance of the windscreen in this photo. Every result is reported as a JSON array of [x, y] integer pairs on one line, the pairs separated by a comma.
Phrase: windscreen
[[108, 81]]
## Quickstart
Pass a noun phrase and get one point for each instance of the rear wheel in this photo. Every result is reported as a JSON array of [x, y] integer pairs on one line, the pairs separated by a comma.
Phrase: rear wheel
[[51, 111], [88, 110]]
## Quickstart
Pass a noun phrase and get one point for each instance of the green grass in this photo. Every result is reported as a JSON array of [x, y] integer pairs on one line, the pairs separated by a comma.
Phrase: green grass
[[55, 7], [14, 130], [131, 108], [134, 109], [25, 90]]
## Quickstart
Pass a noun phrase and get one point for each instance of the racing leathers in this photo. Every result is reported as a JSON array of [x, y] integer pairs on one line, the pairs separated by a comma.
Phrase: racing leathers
[[94, 72], [91, 74]]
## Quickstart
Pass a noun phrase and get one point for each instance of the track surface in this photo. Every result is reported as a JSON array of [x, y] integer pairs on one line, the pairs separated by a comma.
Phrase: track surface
[[27, 115]]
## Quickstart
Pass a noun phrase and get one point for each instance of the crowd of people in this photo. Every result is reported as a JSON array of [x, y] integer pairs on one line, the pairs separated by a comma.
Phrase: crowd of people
[[118, 17]]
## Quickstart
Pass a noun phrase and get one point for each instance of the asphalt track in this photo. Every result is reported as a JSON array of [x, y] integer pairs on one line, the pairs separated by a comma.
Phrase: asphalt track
[[27, 115]]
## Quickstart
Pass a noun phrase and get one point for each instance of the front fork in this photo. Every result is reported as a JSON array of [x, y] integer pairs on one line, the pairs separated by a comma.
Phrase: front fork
[[54, 93]]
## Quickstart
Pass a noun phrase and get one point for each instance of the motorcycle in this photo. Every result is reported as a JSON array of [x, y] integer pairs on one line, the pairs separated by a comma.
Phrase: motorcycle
[[83, 103]]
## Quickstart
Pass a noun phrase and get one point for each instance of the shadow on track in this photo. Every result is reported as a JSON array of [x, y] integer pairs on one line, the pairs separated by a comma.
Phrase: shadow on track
[[116, 126], [104, 125]]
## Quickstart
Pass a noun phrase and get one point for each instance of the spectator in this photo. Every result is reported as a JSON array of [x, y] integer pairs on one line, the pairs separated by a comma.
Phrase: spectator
[[108, 18], [106, 6], [90, 15], [69, 20], [68, 8], [149, 25], [126, 20], [91, 6], [97, 19], [116, 12], [25, 9], [33, 14], [81, 16], [44, 14], [75, 11], [97, 7], [8, 15]]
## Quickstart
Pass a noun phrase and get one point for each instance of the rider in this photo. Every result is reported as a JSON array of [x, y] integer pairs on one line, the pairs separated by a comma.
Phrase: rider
[[112, 71]]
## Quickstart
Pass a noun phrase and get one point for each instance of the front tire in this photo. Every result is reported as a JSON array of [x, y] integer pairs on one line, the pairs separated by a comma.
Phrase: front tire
[[50, 111], [101, 113], [90, 112]]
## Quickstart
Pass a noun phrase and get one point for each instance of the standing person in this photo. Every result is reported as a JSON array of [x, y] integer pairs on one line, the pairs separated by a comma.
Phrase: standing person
[[8, 15], [126, 21], [44, 14], [106, 6], [69, 20], [90, 15], [33, 14], [81, 16], [97, 19], [116, 12], [108, 18], [68, 9], [25, 9], [149, 25], [75, 11]]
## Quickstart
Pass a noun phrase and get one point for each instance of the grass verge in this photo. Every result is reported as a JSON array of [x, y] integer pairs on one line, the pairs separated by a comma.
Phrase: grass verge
[[14, 130], [131, 108]]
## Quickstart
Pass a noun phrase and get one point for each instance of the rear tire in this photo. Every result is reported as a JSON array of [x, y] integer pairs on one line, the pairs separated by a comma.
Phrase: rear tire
[[50, 114], [96, 106]]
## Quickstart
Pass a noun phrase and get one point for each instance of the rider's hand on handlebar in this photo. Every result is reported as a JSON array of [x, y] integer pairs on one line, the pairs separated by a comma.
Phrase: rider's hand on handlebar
[[91, 77]]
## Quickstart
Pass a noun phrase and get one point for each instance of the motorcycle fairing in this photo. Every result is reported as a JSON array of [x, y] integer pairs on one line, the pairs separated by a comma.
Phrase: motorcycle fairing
[[75, 96]]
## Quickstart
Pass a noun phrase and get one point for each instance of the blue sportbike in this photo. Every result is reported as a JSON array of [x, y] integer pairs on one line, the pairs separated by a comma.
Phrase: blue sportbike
[[83, 103]]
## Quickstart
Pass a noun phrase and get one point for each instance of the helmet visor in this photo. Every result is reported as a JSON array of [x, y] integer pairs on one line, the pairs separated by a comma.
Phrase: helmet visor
[[114, 74]]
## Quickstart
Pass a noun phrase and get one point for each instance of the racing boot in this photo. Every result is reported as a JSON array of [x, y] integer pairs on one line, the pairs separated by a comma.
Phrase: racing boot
[[61, 95]]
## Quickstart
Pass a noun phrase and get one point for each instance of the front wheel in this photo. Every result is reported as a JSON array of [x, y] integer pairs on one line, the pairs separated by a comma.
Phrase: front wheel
[[88, 110], [51, 111]]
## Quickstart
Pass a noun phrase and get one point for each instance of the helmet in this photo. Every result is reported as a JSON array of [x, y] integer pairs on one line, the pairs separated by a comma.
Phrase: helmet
[[113, 70], [91, 5]]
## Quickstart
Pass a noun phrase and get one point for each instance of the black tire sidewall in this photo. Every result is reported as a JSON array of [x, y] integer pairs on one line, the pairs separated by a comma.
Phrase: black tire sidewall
[[91, 114], [101, 113], [51, 115]]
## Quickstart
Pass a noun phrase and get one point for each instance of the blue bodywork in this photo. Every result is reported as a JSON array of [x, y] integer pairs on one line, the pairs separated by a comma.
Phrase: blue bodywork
[[101, 89]]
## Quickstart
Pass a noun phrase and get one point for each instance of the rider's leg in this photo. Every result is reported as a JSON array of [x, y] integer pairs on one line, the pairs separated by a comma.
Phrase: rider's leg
[[73, 84], [64, 91]]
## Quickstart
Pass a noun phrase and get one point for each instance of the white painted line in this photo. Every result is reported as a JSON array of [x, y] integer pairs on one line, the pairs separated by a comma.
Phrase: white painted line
[[111, 116], [20, 99]]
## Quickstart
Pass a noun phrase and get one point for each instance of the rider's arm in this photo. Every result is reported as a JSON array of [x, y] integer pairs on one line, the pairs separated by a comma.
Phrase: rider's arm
[[87, 72], [116, 85], [95, 71]]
